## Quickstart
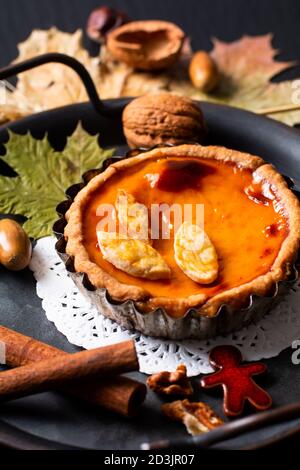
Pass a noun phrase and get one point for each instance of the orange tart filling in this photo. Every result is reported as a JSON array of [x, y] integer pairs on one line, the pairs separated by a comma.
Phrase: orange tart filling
[[242, 217]]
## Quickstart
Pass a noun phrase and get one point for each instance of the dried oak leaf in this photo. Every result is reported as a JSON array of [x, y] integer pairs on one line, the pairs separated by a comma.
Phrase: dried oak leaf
[[52, 85], [10, 113], [171, 383], [197, 417], [246, 66], [43, 175]]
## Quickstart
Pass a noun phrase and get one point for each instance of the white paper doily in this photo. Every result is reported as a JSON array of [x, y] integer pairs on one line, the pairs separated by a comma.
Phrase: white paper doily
[[84, 326]]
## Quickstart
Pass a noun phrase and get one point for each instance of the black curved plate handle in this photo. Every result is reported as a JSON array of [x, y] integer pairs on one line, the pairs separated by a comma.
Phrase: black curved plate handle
[[78, 67]]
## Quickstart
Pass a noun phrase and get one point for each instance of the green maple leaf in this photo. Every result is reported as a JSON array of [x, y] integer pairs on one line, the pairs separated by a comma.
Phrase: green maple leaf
[[44, 175]]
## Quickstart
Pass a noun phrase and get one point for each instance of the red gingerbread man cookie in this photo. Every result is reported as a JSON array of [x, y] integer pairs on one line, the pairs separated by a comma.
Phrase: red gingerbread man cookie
[[236, 380]]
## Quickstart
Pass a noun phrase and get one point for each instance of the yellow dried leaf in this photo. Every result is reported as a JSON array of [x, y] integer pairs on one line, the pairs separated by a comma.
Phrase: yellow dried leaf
[[10, 113], [52, 85]]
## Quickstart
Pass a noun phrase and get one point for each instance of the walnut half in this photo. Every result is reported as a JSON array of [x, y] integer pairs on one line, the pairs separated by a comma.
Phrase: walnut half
[[146, 45], [196, 416], [171, 383]]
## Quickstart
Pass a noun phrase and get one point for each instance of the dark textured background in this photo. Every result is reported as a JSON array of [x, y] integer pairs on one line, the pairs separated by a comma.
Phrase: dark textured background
[[51, 415], [202, 19]]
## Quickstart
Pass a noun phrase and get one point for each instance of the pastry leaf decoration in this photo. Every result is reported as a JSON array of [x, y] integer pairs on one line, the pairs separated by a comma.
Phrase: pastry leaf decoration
[[43, 175]]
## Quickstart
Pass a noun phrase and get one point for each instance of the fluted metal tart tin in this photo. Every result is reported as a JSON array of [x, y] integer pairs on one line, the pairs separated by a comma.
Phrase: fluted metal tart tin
[[158, 323]]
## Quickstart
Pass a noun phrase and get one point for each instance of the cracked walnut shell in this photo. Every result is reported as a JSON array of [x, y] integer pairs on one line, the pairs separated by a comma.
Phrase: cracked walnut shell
[[171, 383], [146, 45], [196, 416], [162, 118]]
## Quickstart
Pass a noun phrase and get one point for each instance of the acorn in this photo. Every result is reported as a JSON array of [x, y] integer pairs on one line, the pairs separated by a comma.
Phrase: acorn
[[15, 246], [203, 72]]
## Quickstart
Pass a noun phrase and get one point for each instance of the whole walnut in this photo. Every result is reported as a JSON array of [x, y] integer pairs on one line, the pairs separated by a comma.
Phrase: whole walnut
[[162, 118]]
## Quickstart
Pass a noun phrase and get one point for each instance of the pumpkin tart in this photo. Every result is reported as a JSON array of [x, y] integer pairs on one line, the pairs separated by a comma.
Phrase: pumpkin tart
[[248, 238]]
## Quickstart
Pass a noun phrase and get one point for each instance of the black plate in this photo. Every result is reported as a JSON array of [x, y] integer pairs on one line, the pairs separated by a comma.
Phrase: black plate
[[68, 422]]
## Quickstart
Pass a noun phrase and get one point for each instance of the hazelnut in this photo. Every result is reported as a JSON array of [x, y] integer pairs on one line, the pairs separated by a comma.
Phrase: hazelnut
[[146, 45], [15, 246], [162, 118], [203, 72], [103, 20]]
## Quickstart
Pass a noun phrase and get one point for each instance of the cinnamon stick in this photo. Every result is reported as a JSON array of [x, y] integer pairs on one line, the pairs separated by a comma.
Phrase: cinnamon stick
[[118, 394], [58, 371]]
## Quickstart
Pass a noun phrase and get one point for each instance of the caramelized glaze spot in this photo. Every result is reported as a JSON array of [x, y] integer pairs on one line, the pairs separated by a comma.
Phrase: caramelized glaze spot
[[266, 252], [272, 230], [177, 176]]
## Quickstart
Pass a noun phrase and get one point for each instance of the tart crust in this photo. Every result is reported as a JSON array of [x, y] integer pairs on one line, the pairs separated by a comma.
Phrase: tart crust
[[204, 305]]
